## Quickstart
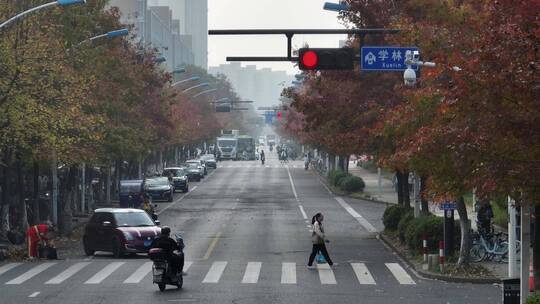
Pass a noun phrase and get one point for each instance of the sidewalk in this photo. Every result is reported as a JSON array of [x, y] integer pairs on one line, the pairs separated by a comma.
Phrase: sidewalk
[[387, 194]]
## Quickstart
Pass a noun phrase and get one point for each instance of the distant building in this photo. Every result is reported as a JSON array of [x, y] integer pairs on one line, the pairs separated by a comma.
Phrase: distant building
[[263, 86], [155, 27]]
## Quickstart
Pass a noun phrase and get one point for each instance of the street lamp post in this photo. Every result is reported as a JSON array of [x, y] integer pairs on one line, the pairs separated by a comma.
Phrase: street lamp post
[[204, 92], [194, 78], [201, 85], [37, 8], [111, 34]]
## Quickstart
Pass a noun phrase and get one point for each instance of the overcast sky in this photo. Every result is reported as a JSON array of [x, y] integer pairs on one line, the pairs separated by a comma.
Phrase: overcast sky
[[267, 14]]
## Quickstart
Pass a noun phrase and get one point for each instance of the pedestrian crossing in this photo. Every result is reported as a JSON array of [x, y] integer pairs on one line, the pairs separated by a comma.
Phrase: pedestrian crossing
[[134, 272], [258, 165]]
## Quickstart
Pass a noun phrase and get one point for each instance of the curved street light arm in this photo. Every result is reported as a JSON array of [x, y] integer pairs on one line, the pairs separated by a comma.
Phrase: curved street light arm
[[204, 92], [205, 84], [194, 78], [37, 8]]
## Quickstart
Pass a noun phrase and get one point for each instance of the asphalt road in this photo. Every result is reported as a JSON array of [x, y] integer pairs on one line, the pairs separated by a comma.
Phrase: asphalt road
[[247, 233]]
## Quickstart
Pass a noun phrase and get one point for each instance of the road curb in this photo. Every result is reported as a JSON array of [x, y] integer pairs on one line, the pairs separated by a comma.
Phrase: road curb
[[431, 275]]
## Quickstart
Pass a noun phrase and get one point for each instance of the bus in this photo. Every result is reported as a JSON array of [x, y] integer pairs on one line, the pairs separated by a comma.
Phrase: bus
[[246, 143], [227, 147]]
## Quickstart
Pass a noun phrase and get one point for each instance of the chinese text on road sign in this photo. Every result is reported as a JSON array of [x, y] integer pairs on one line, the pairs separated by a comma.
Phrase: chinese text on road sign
[[384, 58]]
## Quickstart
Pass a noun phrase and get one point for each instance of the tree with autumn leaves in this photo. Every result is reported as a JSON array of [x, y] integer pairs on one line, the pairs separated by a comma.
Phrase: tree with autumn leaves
[[64, 103], [472, 127]]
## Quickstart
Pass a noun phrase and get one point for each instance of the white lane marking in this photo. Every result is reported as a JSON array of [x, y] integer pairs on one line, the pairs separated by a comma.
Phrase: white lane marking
[[183, 196], [8, 267], [139, 274], [66, 274], [356, 215], [362, 273], [104, 273], [30, 273], [292, 184], [251, 276], [288, 273], [215, 272], [304, 215], [187, 265], [400, 274], [267, 166], [326, 275], [34, 294]]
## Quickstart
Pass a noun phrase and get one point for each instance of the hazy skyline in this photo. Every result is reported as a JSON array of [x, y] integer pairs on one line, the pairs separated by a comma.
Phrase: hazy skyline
[[257, 14]]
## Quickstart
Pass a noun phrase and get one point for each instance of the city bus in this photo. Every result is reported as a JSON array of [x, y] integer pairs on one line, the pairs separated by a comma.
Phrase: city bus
[[246, 143]]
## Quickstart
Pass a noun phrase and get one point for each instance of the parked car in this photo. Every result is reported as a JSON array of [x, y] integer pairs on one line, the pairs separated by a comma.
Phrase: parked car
[[159, 188], [131, 193], [120, 231], [193, 172], [179, 178], [199, 162], [210, 160]]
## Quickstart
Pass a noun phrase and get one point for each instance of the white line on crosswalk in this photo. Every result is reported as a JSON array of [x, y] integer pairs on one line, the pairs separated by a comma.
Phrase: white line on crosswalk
[[34, 294], [139, 274], [30, 273], [251, 276], [288, 273], [66, 274], [400, 274], [326, 275], [362, 273], [104, 273], [8, 267], [187, 265], [215, 272]]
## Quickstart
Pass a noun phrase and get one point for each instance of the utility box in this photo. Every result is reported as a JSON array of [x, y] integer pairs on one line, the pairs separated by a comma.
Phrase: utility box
[[511, 291]]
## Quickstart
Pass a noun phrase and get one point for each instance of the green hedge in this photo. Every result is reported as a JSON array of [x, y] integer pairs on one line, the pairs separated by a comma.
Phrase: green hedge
[[534, 298], [335, 177], [392, 215], [431, 226], [352, 183], [404, 223]]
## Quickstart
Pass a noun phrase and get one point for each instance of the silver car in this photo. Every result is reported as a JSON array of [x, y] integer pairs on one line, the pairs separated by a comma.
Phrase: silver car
[[200, 163]]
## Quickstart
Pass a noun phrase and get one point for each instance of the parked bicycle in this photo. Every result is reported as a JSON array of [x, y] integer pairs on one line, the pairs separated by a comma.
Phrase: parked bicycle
[[490, 247]]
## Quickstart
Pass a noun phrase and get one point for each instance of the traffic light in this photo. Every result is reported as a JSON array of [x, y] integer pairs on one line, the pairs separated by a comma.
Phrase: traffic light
[[223, 107], [279, 115], [326, 59]]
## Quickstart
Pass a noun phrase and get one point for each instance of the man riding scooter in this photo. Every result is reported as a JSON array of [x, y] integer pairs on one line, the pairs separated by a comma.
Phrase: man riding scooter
[[165, 242]]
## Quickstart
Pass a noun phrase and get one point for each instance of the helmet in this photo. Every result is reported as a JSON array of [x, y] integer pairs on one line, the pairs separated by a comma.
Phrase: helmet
[[165, 230]]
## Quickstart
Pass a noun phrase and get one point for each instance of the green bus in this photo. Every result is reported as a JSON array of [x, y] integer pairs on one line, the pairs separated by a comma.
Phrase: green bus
[[246, 144]]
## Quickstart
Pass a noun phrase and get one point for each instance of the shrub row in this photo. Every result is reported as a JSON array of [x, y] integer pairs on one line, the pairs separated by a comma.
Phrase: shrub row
[[345, 181], [411, 230]]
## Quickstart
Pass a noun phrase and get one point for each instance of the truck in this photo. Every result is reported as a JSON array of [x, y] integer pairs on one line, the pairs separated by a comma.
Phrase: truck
[[246, 144], [271, 140], [227, 147]]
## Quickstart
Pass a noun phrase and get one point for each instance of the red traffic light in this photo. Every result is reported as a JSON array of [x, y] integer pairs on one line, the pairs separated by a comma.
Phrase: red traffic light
[[279, 115], [309, 59], [326, 59]]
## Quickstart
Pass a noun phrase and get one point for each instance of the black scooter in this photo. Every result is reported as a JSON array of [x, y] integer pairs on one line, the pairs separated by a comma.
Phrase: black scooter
[[161, 270]]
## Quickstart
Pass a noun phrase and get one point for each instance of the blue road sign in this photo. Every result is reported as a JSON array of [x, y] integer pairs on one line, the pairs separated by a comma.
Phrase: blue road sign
[[448, 206], [384, 58]]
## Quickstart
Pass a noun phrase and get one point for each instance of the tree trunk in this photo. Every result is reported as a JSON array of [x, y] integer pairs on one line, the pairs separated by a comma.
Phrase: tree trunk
[[536, 247], [399, 181], [108, 184], [4, 208], [406, 191], [21, 197], [464, 247], [424, 202], [35, 206]]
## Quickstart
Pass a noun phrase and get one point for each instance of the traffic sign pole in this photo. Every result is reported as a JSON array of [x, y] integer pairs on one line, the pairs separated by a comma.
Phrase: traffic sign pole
[[448, 232]]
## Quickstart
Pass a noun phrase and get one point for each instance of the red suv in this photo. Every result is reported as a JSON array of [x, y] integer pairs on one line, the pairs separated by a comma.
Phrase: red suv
[[120, 231]]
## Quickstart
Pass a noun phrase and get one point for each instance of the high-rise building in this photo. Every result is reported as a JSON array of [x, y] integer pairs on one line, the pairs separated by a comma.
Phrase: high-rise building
[[263, 86], [155, 27], [196, 25]]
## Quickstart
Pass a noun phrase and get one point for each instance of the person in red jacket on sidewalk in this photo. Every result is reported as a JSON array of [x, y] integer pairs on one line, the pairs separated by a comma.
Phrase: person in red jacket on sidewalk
[[36, 234]]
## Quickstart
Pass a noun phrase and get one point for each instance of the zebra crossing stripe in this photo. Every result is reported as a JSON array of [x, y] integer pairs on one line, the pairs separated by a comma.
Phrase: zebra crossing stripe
[[104, 273], [215, 272], [8, 267], [251, 276], [30, 273], [362, 274], [400, 274], [326, 275], [288, 273], [139, 274], [66, 274]]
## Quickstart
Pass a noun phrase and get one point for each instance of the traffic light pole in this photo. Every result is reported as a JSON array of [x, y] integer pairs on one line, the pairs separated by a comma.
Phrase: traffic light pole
[[289, 34]]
